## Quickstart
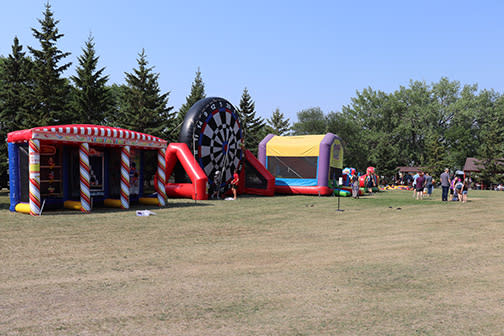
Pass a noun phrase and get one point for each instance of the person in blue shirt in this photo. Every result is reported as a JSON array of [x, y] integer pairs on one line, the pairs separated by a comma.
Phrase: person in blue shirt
[[414, 185]]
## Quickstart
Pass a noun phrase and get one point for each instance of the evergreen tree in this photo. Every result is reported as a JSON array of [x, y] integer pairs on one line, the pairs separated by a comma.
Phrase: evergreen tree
[[117, 92], [144, 108], [2, 61], [51, 91], [197, 93], [91, 97], [252, 126], [16, 101], [277, 124]]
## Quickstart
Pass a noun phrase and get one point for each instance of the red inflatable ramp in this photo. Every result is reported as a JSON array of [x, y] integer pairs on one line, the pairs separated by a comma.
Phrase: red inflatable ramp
[[197, 189]]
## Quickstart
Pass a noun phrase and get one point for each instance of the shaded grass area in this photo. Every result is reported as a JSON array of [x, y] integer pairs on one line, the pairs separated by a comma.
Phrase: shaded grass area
[[288, 265]]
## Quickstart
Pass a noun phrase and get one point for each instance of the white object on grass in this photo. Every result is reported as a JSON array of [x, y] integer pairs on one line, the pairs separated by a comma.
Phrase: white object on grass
[[145, 213]]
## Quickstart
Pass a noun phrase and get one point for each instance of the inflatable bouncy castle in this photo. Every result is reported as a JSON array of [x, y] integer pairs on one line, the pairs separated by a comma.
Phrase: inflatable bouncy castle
[[302, 164]]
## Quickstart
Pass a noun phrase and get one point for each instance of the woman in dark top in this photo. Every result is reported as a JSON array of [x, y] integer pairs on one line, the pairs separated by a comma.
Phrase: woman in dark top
[[420, 183]]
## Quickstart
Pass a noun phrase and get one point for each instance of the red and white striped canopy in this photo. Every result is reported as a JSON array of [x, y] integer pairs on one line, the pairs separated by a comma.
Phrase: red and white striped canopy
[[91, 134]]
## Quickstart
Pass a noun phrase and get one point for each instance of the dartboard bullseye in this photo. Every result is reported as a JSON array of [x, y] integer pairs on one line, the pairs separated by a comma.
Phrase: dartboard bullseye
[[212, 130]]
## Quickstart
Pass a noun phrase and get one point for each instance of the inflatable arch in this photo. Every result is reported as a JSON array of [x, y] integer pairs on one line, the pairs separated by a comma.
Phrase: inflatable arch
[[302, 164], [197, 188]]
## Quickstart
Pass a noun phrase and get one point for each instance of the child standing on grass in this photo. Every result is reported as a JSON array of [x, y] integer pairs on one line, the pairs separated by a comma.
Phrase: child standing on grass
[[370, 182], [234, 183], [355, 186], [465, 187]]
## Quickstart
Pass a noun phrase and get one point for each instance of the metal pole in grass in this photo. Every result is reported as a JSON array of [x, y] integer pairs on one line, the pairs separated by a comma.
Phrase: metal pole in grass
[[42, 207], [340, 182]]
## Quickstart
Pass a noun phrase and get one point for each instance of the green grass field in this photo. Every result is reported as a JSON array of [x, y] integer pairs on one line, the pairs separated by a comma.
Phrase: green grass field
[[387, 265]]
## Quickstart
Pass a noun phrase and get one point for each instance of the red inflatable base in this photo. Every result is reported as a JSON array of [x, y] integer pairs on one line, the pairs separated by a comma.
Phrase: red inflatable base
[[184, 190], [297, 190]]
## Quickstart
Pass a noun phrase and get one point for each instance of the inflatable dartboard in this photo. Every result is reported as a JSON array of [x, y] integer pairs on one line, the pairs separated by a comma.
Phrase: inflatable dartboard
[[212, 131]]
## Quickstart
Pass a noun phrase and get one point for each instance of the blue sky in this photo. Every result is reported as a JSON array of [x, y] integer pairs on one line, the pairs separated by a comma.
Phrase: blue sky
[[291, 55]]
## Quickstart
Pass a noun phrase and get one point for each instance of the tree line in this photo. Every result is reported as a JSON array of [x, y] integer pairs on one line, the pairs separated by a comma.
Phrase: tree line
[[433, 126], [429, 125]]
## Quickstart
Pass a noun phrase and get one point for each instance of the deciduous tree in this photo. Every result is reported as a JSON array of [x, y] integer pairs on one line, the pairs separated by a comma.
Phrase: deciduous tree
[[310, 121]]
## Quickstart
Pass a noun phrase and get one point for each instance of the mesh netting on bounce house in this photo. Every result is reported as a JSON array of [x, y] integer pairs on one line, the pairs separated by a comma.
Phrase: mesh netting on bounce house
[[303, 164]]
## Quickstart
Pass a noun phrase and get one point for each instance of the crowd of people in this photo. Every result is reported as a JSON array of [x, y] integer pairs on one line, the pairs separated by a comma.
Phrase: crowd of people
[[423, 183]]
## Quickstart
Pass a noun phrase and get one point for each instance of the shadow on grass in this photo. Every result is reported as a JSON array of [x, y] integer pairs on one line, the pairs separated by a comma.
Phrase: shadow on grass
[[4, 199], [135, 207], [186, 204]]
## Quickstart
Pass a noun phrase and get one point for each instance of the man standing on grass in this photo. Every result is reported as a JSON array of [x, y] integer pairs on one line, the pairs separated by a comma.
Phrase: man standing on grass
[[445, 184], [428, 184]]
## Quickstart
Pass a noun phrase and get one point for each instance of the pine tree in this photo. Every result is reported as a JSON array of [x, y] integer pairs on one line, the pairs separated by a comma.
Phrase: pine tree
[[197, 93], [277, 124], [144, 108], [51, 91], [91, 97], [16, 101], [117, 92], [252, 126]]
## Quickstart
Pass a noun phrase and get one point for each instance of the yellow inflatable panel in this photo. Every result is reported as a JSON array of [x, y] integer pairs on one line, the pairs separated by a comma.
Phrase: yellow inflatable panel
[[336, 159], [148, 201], [299, 145], [73, 205], [23, 207], [112, 203]]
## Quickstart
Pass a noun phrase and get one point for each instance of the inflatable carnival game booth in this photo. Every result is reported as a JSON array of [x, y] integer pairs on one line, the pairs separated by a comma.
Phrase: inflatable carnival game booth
[[210, 149], [78, 166], [303, 164]]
